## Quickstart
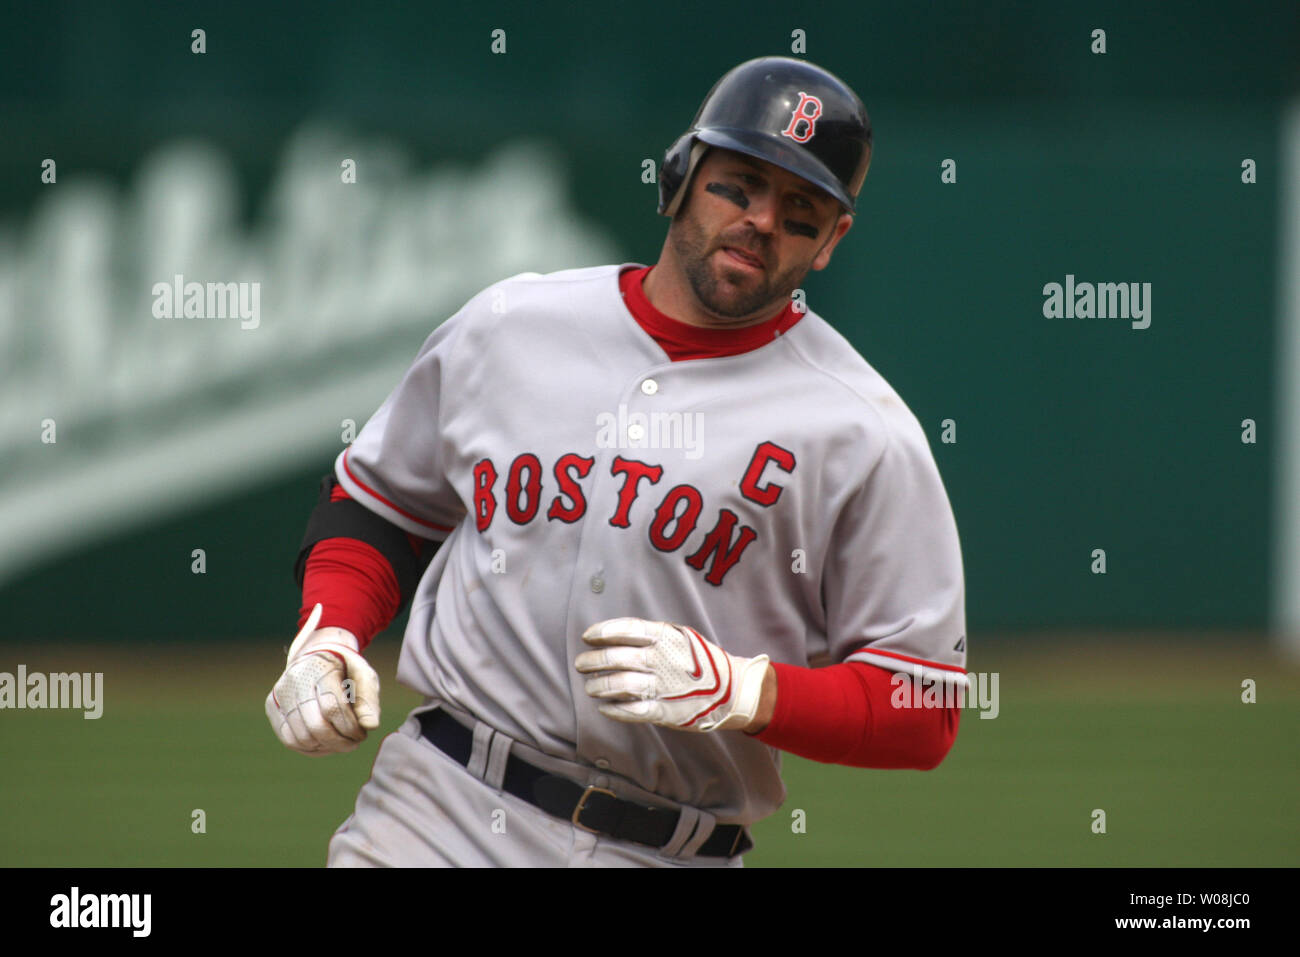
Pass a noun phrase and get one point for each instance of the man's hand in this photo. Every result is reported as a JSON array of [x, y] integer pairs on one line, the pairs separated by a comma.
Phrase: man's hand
[[670, 675], [328, 697]]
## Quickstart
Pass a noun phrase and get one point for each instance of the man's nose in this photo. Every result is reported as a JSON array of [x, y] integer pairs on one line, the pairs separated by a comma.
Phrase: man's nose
[[762, 212]]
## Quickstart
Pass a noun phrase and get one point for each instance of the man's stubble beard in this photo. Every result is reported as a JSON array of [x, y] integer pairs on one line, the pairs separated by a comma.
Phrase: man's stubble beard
[[691, 249]]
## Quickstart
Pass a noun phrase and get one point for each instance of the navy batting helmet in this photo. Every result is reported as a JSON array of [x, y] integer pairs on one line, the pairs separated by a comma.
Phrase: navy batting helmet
[[790, 113]]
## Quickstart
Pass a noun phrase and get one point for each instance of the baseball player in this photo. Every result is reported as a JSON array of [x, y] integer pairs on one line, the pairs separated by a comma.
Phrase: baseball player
[[629, 506]]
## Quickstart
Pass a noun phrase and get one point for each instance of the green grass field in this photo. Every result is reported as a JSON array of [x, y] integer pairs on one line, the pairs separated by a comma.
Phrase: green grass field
[[1156, 735]]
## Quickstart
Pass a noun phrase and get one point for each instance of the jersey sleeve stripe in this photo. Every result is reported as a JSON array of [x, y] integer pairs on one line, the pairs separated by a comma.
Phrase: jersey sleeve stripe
[[446, 529], [916, 661]]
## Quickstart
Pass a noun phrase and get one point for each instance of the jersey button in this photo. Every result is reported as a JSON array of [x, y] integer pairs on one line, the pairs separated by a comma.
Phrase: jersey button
[[649, 386], [597, 584], [635, 432]]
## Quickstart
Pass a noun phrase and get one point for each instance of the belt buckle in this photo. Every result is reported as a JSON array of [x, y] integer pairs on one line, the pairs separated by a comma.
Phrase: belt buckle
[[740, 836], [582, 802]]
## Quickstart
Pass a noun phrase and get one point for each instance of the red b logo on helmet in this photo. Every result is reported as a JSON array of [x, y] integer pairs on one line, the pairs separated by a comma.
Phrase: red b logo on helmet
[[800, 116]]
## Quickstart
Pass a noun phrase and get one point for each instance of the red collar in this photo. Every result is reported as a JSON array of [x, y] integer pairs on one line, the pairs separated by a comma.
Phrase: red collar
[[681, 340]]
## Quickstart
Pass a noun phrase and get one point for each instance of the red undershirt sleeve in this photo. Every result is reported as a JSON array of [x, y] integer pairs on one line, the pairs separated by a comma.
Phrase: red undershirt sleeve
[[355, 584], [843, 715]]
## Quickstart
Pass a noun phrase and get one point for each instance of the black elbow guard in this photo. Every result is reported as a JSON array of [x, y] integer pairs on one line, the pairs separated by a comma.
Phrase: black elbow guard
[[351, 519]]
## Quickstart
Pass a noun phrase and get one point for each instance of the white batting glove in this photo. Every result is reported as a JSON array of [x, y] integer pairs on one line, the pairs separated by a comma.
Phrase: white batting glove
[[670, 675], [328, 697]]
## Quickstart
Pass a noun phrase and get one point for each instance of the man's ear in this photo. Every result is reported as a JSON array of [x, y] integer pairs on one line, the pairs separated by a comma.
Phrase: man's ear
[[842, 226]]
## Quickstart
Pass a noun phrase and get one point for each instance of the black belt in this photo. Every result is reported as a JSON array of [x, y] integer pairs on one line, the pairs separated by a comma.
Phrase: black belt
[[593, 809]]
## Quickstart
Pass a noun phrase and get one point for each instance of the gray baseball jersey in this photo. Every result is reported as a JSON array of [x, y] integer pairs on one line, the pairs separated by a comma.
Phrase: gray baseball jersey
[[783, 501]]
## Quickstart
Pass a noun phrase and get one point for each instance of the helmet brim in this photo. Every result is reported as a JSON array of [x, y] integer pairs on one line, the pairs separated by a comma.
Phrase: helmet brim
[[772, 149]]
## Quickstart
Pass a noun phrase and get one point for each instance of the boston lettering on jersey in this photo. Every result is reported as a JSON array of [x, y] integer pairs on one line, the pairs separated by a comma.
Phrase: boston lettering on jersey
[[675, 517]]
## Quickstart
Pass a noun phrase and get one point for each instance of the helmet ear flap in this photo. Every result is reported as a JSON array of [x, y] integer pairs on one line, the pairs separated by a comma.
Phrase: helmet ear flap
[[675, 173]]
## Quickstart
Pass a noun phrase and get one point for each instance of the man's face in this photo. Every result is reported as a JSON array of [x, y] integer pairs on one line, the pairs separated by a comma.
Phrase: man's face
[[748, 233]]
